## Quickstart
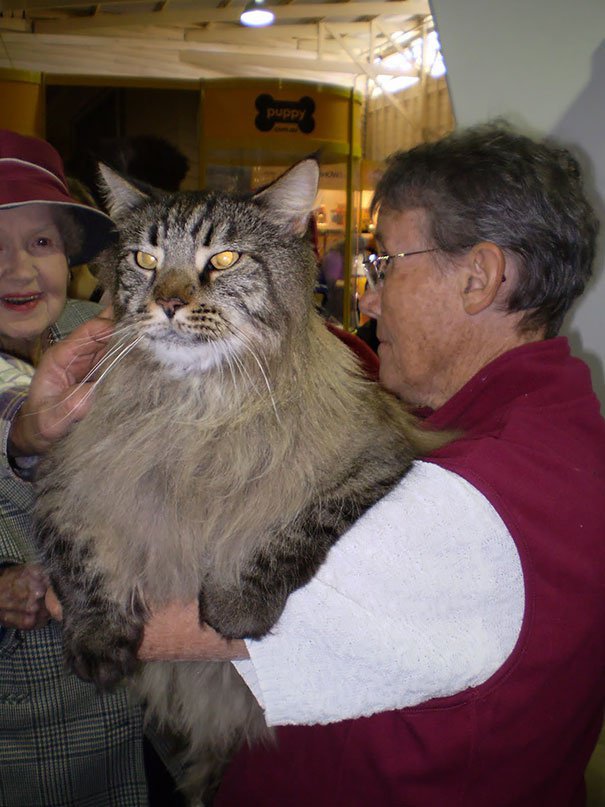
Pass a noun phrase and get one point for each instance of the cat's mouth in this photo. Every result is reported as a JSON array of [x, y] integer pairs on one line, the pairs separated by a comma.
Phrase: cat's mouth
[[170, 334]]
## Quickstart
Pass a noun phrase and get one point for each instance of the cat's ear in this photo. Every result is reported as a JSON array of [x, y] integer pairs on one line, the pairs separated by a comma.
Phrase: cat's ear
[[292, 196], [120, 194]]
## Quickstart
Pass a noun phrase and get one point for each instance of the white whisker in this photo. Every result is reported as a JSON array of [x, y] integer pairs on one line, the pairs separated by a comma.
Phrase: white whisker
[[123, 352], [111, 331], [90, 340], [234, 359], [245, 344], [221, 368], [109, 355]]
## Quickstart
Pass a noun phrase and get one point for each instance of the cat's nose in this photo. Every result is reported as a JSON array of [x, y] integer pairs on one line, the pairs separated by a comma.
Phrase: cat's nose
[[170, 305]]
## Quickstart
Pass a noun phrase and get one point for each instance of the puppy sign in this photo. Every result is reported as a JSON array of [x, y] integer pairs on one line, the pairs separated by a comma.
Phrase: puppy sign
[[284, 116]]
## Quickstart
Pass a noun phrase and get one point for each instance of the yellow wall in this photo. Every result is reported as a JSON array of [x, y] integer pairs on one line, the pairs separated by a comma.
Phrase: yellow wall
[[21, 102]]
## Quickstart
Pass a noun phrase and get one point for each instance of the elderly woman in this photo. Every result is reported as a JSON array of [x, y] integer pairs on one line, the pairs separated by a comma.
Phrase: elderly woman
[[450, 650], [61, 742]]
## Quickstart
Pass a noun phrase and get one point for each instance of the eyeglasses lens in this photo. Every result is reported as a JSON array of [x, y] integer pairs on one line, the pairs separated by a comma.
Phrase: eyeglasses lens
[[373, 267]]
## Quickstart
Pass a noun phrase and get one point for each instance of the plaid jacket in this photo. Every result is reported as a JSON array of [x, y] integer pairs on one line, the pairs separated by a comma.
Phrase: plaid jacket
[[62, 744]]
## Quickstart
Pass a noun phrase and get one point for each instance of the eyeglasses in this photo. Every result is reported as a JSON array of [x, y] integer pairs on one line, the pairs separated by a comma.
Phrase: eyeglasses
[[375, 266]]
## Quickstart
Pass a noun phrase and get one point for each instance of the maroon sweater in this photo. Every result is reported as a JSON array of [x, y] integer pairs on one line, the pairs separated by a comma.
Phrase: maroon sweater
[[534, 445]]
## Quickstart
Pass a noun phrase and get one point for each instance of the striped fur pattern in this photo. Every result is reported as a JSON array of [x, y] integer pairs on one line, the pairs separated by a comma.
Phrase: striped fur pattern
[[233, 440]]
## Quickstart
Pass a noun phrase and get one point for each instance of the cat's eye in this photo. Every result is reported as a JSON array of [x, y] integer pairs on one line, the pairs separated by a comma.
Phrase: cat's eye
[[224, 260], [145, 260]]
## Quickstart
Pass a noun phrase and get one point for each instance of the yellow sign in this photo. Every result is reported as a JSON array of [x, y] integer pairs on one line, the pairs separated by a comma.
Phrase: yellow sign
[[292, 117]]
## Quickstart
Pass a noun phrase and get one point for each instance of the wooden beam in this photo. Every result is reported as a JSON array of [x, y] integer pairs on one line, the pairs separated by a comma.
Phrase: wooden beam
[[197, 14], [376, 75], [222, 59], [303, 31]]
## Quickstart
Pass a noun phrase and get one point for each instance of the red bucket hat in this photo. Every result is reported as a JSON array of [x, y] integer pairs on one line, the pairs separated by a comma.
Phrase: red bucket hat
[[31, 172]]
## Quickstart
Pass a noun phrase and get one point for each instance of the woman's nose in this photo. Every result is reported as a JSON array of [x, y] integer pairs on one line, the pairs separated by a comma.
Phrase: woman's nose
[[17, 263], [369, 304]]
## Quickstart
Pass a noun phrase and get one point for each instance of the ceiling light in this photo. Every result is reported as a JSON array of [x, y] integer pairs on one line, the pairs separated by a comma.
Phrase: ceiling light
[[256, 15]]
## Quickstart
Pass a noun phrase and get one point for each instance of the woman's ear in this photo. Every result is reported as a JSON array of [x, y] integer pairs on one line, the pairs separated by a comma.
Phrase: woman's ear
[[483, 276]]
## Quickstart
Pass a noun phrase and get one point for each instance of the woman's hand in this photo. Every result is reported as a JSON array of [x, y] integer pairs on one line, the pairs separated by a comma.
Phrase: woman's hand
[[174, 633], [56, 397], [22, 591]]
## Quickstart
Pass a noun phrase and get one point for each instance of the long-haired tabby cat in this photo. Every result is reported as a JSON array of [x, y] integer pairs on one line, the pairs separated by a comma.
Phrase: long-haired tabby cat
[[231, 443]]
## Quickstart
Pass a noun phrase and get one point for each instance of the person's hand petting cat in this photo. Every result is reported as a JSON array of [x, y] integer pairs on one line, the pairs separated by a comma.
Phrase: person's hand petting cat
[[57, 398]]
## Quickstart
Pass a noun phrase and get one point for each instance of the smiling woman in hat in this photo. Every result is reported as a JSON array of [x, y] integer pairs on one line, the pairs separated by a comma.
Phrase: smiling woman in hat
[[61, 743], [42, 231]]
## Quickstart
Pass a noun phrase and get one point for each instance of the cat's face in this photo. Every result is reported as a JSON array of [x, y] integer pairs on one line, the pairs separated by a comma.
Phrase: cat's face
[[204, 278]]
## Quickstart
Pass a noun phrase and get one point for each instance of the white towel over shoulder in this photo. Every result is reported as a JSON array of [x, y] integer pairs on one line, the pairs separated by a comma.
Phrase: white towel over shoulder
[[423, 597]]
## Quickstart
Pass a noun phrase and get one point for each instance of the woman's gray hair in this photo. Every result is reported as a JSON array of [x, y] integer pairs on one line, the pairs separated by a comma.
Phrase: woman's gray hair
[[490, 183], [71, 230]]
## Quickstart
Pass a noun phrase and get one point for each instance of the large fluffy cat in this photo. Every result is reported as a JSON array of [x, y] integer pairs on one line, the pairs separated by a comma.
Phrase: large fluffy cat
[[232, 442]]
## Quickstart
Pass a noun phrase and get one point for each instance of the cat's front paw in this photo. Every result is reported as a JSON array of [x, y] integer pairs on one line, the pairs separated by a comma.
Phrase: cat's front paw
[[234, 617], [104, 658]]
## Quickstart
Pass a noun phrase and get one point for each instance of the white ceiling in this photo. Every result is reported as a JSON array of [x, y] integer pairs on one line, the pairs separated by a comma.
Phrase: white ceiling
[[334, 42]]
